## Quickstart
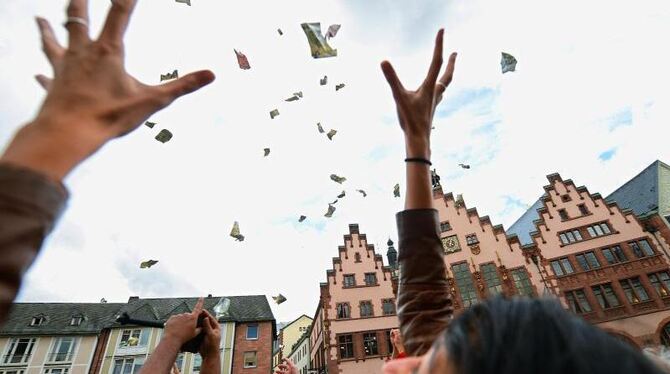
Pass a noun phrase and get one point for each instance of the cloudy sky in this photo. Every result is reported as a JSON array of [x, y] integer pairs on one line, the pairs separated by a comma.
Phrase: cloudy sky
[[589, 99]]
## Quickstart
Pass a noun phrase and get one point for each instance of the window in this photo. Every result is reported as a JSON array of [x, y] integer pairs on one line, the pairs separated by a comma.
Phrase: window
[[570, 237], [599, 229], [665, 334], [389, 342], [565, 198], [343, 310], [19, 351], [346, 346], [492, 279], [646, 248], [370, 279], [588, 261], [12, 371], [465, 284], [76, 320], [129, 365], [634, 290], [197, 363], [605, 296], [563, 214], [562, 267], [661, 283], [64, 370], [522, 282], [357, 257], [370, 344], [614, 255], [605, 228], [641, 248], [134, 338], [250, 359], [388, 307], [583, 209], [37, 320], [471, 239], [445, 226], [62, 350], [252, 332], [366, 309], [577, 301], [349, 280]]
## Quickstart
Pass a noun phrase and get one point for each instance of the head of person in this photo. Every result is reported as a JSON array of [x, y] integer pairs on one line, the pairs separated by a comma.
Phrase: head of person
[[522, 335]]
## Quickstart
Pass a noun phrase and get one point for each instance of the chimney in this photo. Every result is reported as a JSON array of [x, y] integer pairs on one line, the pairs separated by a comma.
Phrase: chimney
[[133, 298]]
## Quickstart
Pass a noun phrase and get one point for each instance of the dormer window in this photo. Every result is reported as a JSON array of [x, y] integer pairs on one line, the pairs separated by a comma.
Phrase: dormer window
[[76, 320], [37, 321]]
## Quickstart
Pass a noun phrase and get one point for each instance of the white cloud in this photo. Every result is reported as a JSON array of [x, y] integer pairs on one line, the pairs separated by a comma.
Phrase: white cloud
[[580, 64]]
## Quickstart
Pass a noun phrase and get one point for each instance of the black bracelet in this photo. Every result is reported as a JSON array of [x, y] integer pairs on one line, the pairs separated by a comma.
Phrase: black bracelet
[[419, 159]]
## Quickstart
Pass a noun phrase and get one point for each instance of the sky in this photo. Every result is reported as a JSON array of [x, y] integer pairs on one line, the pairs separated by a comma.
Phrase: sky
[[588, 99]]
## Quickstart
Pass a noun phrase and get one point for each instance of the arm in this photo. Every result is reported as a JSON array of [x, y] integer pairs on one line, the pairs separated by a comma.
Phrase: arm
[[424, 303], [90, 101], [210, 352]]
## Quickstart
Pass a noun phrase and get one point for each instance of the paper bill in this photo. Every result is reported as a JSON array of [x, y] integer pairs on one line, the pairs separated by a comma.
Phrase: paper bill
[[507, 62], [266, 152], [318, 126], [396, 190], [332, 31], [164, 136], [362, 193], [331, 133], [242, 60], [317, 42], [339, 86], [331, 210], [323, 81], [148, 264], [274, 113], [150, 124], [169, 76], [337, 179]]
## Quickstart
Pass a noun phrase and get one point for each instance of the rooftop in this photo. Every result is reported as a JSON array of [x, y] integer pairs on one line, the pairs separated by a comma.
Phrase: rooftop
[[646, 193]]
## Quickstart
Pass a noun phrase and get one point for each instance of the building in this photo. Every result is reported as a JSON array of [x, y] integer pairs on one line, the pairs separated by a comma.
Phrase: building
[[289, 334], [600, 259], [356, 311], [299, 354], [53, 338]]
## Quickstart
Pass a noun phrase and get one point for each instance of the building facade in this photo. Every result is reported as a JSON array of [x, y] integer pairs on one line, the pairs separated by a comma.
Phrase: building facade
[[356, 311], [601, 261], [288, 336], [299, 354]]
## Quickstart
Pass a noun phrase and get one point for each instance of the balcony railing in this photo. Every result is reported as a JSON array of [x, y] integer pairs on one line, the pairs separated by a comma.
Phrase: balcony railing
[[60, 357], [15, 359]]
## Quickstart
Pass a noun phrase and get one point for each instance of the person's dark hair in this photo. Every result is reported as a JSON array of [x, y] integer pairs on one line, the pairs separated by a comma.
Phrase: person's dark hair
[[522, 335]]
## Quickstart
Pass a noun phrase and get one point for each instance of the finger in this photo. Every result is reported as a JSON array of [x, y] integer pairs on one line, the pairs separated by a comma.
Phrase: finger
[[436, 64], [448, 75], [392, 78], [52, 49], [184, 85], [78, 32], [207, 325], [198, 307], [117, 21], [43, 81]]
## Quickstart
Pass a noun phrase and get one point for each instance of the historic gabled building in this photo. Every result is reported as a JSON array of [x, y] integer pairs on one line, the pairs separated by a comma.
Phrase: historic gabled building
[[53, 338], [299, 354], [356, 311], [600, 260]]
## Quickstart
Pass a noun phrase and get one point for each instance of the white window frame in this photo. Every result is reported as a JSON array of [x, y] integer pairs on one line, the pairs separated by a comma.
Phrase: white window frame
[[76, 320], [246, 334], [125, 360], [53, 350], [52, 370], [196, 356], [38, 320], [11, 350], [244, 361], [143, 333], [13, 371]]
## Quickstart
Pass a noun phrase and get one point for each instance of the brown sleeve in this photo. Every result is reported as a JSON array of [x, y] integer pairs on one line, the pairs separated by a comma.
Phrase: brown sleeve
[[29, 205], [424, 302]]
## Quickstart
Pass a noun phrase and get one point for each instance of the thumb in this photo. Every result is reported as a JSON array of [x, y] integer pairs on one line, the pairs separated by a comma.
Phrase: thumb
[[43, 81], [207, 326], [186, 85]]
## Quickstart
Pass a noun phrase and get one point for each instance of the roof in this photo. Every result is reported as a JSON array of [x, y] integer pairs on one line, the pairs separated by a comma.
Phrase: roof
[[253, 308], [284, 325], [58, 317], [646, 193], [524, 225]]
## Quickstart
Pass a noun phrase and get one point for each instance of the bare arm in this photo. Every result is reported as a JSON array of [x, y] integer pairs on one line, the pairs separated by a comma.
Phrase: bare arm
[[210, 352]]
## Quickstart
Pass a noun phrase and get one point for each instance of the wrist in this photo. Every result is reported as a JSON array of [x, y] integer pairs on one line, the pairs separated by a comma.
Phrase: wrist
[[171, 342], [417, 147]]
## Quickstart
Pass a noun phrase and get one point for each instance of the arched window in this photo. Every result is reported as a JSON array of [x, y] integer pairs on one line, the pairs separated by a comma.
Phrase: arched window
[[665, 335]]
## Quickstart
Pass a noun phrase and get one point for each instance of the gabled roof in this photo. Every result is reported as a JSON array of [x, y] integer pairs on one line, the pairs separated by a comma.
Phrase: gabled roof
[[524, 225], [58, 317], [284, 325], [646, 193]]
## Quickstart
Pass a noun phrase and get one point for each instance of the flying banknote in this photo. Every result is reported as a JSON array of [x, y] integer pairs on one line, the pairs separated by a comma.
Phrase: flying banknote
[[317, 42], [331, 133], [343, 194], [339, 86], [302, 218], [274, 113], [279, 299], [362, 193], [187, 2], [332, 31], [323, 81], [169, 76], [337, 179], [507, 62], [280, 32], [235, 232], [150, 124], [464, 166], [164, 136], [396, 190], [242, 60], [266, 152], [331, 210], [148, 264], [318, 126]]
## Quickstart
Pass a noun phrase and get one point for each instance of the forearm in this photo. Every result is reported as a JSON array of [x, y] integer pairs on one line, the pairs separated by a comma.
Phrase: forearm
[[419, 194], [163, 357], [211, 364]]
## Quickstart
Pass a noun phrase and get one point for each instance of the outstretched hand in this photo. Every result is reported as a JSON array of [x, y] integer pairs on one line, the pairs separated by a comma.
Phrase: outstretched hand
[[183, 327], [91, 99], [286, 367], [416, 108]]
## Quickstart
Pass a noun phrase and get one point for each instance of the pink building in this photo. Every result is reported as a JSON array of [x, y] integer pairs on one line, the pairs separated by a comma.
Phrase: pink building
[[356, 311]]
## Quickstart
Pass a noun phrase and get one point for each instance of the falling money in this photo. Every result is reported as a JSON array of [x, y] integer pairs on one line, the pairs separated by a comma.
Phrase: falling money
[[302, 218], [296, 96], [242, 60], [187, 2], [331, 210], [362, 193], [318, 126], [317, 43], [396, 190], [266, 152], [164, 136], [279, 299], [331, 133], [339, 86], [148, 264], [343, 194], [337, 179], [150, 124], [464, 166], [169, 76], [507, 62], [323, 81], [235, 232], [280, 32], [332, 31], [274, 113]]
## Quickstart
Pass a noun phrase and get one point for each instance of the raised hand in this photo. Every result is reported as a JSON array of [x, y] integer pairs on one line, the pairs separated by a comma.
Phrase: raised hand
[[286, 367], [91, 98], [183, 327], [210, 345]]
